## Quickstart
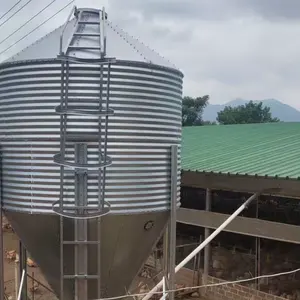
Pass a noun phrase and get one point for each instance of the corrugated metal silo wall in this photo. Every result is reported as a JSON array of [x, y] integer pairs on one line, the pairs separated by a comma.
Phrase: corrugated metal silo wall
[[147, 103]]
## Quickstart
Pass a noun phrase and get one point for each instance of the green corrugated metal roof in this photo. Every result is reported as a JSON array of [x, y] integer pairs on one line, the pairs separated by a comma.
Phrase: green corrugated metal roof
[[252, 149]]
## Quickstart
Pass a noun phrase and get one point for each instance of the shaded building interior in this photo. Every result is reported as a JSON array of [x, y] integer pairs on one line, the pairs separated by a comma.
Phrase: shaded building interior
[[236, 254]]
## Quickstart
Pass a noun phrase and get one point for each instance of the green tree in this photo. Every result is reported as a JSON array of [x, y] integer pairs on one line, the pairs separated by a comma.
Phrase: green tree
[[192, 110], [244, 114], [209, 123]]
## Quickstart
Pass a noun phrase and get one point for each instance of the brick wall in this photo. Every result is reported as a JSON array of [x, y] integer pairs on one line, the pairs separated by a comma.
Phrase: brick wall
[[224, 292], [187, 277]]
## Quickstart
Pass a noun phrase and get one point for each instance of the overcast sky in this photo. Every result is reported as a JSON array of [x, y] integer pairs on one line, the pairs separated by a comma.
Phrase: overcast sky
[[226, 48]]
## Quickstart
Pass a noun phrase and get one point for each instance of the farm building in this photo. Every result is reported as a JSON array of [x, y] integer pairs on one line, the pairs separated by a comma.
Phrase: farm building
[[222, 166]]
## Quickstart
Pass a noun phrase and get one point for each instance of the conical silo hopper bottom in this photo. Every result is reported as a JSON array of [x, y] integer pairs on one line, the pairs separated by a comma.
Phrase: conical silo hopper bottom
[[126, 243]]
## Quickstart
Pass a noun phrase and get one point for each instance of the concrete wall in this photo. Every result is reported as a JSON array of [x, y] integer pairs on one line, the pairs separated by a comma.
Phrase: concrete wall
[[224, 292], [235, 291]]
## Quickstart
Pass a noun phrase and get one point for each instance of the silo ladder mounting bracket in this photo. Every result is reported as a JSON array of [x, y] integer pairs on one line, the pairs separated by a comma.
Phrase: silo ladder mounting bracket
[[78, 60]]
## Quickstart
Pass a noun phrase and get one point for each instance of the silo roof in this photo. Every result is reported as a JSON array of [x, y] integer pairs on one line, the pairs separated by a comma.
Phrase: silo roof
[[120, 45]]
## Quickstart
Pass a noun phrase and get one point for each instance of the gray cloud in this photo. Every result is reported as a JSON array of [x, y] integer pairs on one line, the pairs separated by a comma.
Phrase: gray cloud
[[228, 49], [273, 10], [213, 9], [225, 48]]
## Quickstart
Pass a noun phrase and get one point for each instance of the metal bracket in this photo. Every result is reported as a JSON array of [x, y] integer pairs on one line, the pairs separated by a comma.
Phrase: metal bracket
[[62, 162], [70, 212], [83, 112], [78, 60]]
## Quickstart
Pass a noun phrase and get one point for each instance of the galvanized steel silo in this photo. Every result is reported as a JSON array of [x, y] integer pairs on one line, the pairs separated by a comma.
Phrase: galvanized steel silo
[[145, 94]]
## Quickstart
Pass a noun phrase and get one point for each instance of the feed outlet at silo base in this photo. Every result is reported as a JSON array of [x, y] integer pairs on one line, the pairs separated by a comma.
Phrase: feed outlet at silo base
[[90, 137]]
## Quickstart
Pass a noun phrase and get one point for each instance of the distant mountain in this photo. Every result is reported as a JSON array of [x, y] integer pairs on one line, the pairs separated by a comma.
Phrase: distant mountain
[[279, 110]]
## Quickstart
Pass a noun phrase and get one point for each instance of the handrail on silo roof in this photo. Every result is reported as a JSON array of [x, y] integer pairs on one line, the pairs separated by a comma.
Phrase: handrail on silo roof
[[103, 33], [73, 11]]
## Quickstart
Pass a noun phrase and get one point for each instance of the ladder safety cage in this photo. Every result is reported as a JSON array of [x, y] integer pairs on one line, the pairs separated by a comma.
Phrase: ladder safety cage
[[81, 209]]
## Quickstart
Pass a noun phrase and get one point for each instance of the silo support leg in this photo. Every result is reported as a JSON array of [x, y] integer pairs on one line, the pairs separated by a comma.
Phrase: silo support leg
[[173, 217], [169, 247]]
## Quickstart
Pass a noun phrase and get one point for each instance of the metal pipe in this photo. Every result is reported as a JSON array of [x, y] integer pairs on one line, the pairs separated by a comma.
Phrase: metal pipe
[[179, 246], [207, 232], [21, 285], [80, 230], [105, 132], [172, 238], [101, 175], [23, 268], [205, 242], [41, 284], [164, 289], [61, 262], [62, 124], [100, 153]]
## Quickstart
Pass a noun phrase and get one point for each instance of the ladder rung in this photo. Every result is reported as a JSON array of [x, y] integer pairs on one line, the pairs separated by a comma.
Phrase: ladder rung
[[81, 242], [81, 276], [88, 22], [86, 34], [84, 48]]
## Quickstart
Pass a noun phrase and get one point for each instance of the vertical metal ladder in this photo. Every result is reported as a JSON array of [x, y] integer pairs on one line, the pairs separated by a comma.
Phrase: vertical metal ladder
[[81, 209]]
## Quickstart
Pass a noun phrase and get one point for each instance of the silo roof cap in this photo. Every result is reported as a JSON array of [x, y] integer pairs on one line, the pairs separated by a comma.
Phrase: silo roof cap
[[120, 45]]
